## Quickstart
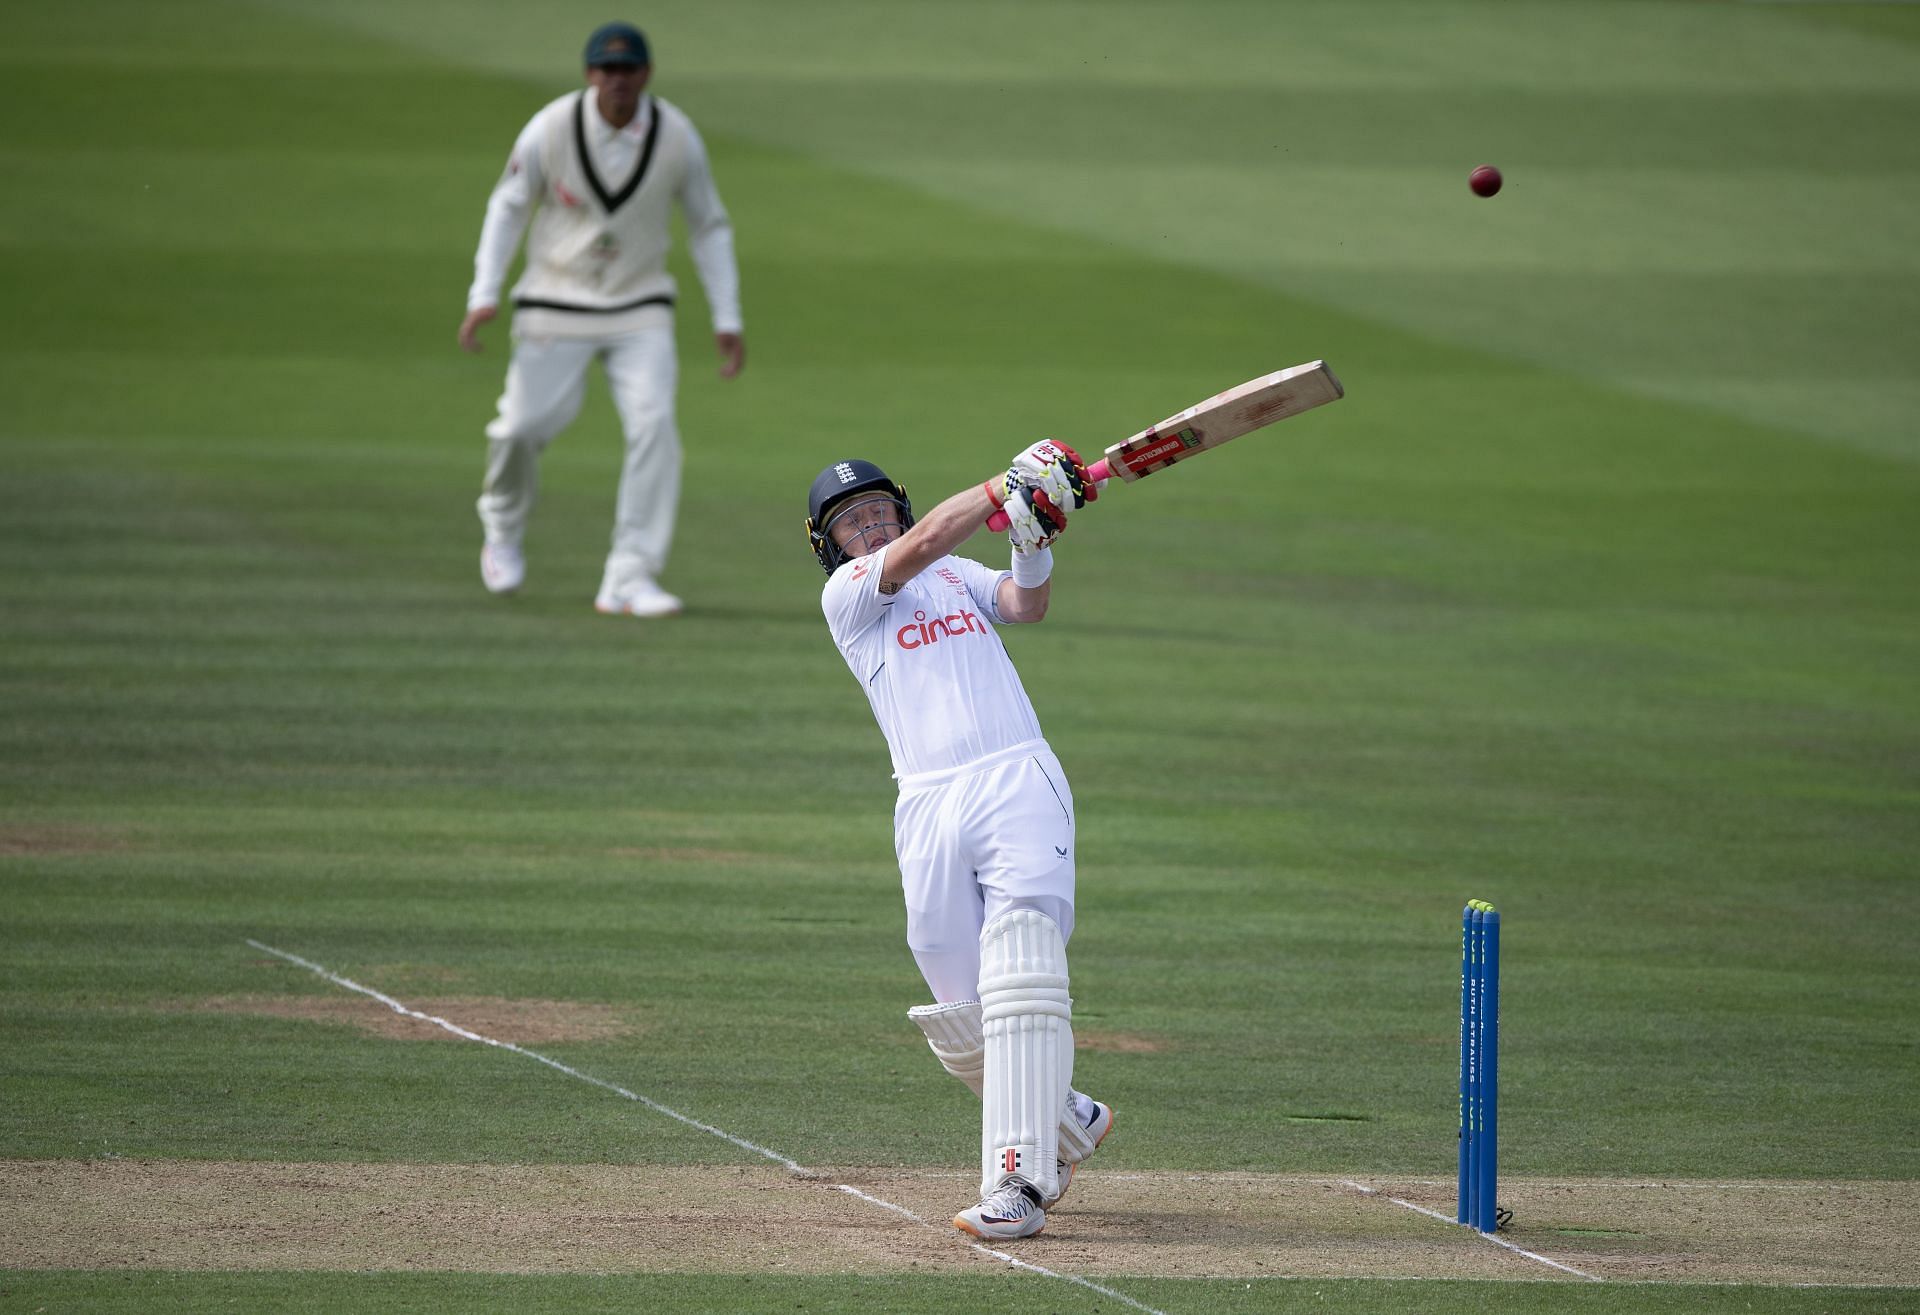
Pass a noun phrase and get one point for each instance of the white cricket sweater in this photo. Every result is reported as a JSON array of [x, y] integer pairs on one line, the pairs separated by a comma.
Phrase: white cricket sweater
[[600, 199]]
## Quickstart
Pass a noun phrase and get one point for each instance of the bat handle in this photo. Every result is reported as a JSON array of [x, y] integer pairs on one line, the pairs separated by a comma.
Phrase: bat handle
[[1099, 472]]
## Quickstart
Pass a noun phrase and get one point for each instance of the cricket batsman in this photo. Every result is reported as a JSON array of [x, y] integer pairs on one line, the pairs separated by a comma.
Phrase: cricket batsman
[[984, 823]]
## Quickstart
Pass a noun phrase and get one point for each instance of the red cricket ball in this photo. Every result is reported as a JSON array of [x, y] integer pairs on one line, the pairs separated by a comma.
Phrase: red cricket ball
[[1484, 181]]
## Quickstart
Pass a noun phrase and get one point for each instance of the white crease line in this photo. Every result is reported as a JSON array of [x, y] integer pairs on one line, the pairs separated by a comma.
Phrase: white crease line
[[792, 1166], [1494, 1238], [459, 1031]]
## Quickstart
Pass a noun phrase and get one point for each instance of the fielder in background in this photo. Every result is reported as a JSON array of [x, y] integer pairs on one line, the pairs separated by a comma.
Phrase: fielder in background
[[984, 823], [598, 171]]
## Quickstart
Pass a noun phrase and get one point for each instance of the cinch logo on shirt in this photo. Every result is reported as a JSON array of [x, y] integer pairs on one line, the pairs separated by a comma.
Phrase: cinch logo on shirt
[[920, 632]]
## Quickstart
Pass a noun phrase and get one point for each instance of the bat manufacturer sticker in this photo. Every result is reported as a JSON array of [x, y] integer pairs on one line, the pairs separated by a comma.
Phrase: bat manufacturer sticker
[[1163, 447]]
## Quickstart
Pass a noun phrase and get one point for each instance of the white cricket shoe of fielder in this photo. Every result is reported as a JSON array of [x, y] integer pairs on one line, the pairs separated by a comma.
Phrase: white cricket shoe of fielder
[[503, 567], [642, 598], [1096, 1132], [1012, 1210]]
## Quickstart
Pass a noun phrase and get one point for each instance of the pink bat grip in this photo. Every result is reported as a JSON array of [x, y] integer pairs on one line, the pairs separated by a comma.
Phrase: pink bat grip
[[1099, 472]]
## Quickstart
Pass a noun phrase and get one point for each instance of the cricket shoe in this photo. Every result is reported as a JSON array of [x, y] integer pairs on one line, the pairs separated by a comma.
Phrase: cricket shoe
[[1097, 1129], [642, 598], [502, 566], [1012, 1210]]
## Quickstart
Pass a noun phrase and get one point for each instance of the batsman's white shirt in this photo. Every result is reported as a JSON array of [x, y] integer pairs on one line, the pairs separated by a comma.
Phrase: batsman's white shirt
[[941, 684], [984, 821]]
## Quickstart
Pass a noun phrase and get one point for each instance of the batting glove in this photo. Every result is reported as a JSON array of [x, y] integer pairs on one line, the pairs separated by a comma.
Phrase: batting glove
[[1056, 468], [1034, 520]]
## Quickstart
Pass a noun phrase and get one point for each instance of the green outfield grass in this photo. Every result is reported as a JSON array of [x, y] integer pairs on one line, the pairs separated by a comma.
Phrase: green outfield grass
[[1599, 597]]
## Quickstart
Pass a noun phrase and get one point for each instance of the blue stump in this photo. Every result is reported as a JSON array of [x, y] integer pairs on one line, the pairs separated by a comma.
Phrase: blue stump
[[1479, 1064]]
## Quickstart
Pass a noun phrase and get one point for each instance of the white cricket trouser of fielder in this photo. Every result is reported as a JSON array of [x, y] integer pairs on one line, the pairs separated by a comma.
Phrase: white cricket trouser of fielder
[[546, 383]]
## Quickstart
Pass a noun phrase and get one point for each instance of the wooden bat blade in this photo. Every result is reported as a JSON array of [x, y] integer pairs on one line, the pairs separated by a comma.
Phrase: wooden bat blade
[[1223, 418]]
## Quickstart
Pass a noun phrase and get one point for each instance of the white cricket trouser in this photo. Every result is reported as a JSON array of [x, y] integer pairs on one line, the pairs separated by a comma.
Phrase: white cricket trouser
[[546, 382], [974, 843]]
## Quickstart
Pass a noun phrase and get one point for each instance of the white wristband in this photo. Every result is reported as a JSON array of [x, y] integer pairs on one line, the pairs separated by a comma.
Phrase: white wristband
[[1031, 569]]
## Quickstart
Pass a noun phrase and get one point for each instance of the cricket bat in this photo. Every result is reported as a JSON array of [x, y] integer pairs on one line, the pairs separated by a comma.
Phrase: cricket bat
[[1222, 418]]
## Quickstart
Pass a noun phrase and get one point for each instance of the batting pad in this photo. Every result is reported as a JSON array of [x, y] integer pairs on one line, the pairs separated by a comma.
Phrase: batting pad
[[953, 1033], [1025, 1016]]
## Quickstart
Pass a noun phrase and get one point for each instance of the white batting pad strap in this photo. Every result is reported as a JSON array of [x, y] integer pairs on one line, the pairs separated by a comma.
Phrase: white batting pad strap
[[953, 1034], [1025, 1013], [1030, 994]]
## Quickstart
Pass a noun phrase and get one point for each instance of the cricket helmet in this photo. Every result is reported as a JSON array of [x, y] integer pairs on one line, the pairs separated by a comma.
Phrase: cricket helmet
[[832, 488]]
